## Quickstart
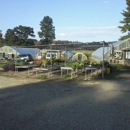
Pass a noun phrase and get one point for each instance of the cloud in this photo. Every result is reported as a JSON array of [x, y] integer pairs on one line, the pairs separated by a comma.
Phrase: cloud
[[86, 34], [62, 34]]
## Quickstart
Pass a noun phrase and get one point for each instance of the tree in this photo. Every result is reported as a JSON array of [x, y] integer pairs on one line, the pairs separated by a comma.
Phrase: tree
[[10, 38], [126, 22], [1, 39], [24, 32], [19, 36], [47, 32]]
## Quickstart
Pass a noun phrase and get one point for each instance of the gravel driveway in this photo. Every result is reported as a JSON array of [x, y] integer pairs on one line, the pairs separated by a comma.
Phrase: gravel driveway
[[26, 104]]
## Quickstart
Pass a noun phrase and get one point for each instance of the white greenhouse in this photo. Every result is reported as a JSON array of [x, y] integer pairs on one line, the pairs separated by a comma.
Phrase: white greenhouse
[[9, 52], [48, 53], [118, 52], [79, 57]]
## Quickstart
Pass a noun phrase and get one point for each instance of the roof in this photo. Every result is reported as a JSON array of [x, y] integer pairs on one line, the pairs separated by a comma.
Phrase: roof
[[126, 49], [70, 54], [31, 51], [98, 54], [117, 46], [120, 42]]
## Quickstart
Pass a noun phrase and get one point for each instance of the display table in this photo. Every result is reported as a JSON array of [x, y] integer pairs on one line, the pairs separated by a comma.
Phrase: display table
[[41, 69], [91, 69], [24, 67], [67, 68]]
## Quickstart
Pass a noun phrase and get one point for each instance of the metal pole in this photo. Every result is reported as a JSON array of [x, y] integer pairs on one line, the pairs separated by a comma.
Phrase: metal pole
[[16, 61], [103, 62], [51, 60], [65, 55]]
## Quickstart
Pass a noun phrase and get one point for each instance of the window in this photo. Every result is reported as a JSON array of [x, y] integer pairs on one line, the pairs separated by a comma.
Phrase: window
[[127, 54]]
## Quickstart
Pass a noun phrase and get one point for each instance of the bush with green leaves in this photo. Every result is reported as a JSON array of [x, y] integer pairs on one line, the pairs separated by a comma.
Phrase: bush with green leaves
[[96, 63], [75, 65], [86, 62], [52, 61], [20, 63], [66, 76]]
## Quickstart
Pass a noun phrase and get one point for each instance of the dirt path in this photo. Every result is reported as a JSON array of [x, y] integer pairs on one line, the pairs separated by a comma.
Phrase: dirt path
[[11, 81]]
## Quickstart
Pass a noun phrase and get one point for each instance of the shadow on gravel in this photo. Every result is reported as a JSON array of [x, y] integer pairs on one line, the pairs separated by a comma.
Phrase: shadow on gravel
[[66, 105]]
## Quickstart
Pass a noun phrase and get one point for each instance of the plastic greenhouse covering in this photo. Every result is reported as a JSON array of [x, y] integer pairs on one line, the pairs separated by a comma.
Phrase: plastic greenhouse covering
[[79, 57], [69, 54], [117, 46], [98, 54], [31, 51]]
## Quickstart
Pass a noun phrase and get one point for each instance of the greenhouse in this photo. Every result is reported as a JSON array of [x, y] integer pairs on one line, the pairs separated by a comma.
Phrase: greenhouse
[[79, 57], [118, 52], [67, 54], [98, 54], [48, 53], [9, 52]]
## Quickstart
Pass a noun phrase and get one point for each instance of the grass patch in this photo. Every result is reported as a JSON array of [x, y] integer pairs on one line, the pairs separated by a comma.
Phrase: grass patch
[[66, 76], [42, 77], [120, 67], [118, 71]]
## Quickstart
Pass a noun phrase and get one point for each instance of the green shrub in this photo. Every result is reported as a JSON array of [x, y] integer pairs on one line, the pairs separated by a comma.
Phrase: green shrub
[[119, 67], [75, 65], [42, 77], [86, 62], [20, 63], [66, 76], [95, 63]]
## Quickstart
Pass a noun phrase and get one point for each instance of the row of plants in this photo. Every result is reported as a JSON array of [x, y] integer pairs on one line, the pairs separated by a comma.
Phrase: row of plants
[[78, 64], [75, 65], [10, 66], [53, 61]]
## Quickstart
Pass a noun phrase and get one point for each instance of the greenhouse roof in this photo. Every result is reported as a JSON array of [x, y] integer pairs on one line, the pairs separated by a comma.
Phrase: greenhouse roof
[[120, 42], [98, 54], [70, 54], [31, 51]]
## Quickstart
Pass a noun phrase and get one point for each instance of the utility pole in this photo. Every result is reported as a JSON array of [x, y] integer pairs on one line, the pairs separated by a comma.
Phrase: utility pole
[[65, 56], [103, 62]]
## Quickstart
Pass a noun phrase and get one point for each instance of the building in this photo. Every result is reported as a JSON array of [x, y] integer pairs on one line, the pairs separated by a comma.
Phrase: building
[[9, 52], [118, 52], [79, 57], [48, 53]]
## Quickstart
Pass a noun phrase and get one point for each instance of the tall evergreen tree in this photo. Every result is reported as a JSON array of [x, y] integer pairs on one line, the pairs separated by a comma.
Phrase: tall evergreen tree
[[126, 22], [47, 33]]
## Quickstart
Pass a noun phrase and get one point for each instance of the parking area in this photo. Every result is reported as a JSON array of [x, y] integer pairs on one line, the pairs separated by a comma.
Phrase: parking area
[[27, 104]]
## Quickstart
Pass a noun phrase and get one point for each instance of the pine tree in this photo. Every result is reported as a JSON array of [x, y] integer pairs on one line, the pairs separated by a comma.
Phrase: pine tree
[[47, 32], [126, 22]]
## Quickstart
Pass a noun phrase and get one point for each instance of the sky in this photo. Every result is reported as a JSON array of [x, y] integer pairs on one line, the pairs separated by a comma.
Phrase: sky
[[74, 20]]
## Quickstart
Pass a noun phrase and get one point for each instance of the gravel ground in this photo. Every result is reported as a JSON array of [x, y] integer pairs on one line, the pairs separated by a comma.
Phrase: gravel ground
[[27, 104]]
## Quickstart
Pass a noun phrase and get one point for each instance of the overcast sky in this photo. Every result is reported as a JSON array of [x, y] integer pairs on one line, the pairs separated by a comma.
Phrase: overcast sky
[[74, 20]]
